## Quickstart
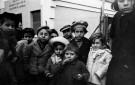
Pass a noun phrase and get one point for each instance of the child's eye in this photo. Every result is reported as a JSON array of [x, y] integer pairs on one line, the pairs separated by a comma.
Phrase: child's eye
[[41, 33], [72, 54], [7, 25], [13, 26], [81, 31], [46, 34], [77, 31]]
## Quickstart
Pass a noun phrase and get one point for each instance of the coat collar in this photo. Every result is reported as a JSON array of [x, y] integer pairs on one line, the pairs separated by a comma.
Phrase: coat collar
[[37, 48], [83, 42]]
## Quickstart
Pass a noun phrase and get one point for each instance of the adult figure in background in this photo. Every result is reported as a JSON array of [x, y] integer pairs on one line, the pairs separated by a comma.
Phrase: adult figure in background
[[67, 32], [121, 70]]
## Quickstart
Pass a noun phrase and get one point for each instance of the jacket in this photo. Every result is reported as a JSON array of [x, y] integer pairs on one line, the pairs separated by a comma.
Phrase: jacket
[[7, 54], [35, 59], [121, 70], [20, 50], [83, 50], [67, 73], [53, 68], [97, 65]]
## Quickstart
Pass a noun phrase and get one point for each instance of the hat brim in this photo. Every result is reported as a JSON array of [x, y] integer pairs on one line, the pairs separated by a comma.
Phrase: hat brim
[[60, 40]]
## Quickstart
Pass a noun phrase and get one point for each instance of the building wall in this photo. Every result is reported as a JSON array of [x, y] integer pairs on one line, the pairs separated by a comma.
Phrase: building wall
[[57, 13], [23, 7], [67, 17], [67, 11]]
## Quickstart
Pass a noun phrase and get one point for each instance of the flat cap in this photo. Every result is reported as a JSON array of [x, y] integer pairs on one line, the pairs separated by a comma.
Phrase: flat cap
[[65, 28]]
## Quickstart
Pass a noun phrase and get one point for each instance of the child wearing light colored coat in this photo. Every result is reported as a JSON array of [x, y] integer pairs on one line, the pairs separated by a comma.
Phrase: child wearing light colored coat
[[98, 61]]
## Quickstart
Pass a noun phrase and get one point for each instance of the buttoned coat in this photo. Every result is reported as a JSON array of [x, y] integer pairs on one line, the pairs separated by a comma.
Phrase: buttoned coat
[[35, 58], [97, 65]]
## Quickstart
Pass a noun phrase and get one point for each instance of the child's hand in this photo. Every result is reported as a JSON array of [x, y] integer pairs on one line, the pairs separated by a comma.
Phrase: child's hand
[[49, 75], [66, 60], [78, 77]]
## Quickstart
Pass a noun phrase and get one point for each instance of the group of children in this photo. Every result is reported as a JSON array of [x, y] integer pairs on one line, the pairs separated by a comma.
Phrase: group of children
[[51, 59], [54, 60]]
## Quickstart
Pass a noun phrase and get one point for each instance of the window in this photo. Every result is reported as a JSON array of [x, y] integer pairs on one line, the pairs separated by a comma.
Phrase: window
[[36, 19]]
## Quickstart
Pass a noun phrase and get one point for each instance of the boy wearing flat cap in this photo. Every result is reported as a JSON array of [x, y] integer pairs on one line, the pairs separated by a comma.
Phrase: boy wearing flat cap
[[82, 43], [67, 32]]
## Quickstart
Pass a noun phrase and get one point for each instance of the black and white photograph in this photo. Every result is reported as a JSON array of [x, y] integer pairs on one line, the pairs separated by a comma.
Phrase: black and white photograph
[[67, 42]]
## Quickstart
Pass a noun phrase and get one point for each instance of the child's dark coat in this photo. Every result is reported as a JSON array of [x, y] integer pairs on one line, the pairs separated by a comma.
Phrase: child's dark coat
[[67, 74], [83, 50]]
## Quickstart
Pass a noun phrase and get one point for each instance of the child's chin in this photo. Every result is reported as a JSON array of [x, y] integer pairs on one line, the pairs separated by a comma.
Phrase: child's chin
[[43, 40]]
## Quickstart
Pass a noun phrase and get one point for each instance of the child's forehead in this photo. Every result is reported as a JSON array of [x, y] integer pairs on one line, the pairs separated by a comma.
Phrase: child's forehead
[[44, 31], [70, 51], [27, 34], [9, 21], [60, 46]]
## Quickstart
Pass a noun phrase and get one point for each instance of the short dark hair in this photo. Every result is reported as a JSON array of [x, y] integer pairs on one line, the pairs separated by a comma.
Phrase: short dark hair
[[54, 31], [98, 36], [72, 48], [29, 30], [43, 27], [114, 6], [9, 16]]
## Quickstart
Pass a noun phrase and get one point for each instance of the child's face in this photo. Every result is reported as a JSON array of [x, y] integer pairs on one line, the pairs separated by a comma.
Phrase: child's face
[[53, 35], [67, 33], [71, 55], [43, 35], [28, 37], [59, 50], [8, 26], [126, 6], [79, 33], [97, 44]]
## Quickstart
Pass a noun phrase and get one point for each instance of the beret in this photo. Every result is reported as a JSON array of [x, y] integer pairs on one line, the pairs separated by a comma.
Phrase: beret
[[43, 27], [80, 23]]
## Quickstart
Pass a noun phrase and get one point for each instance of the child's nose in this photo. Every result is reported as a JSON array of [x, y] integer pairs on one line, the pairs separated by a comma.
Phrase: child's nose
[[69, 56], [10, 27], [43, 36], [126, 2], [58, 51]]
